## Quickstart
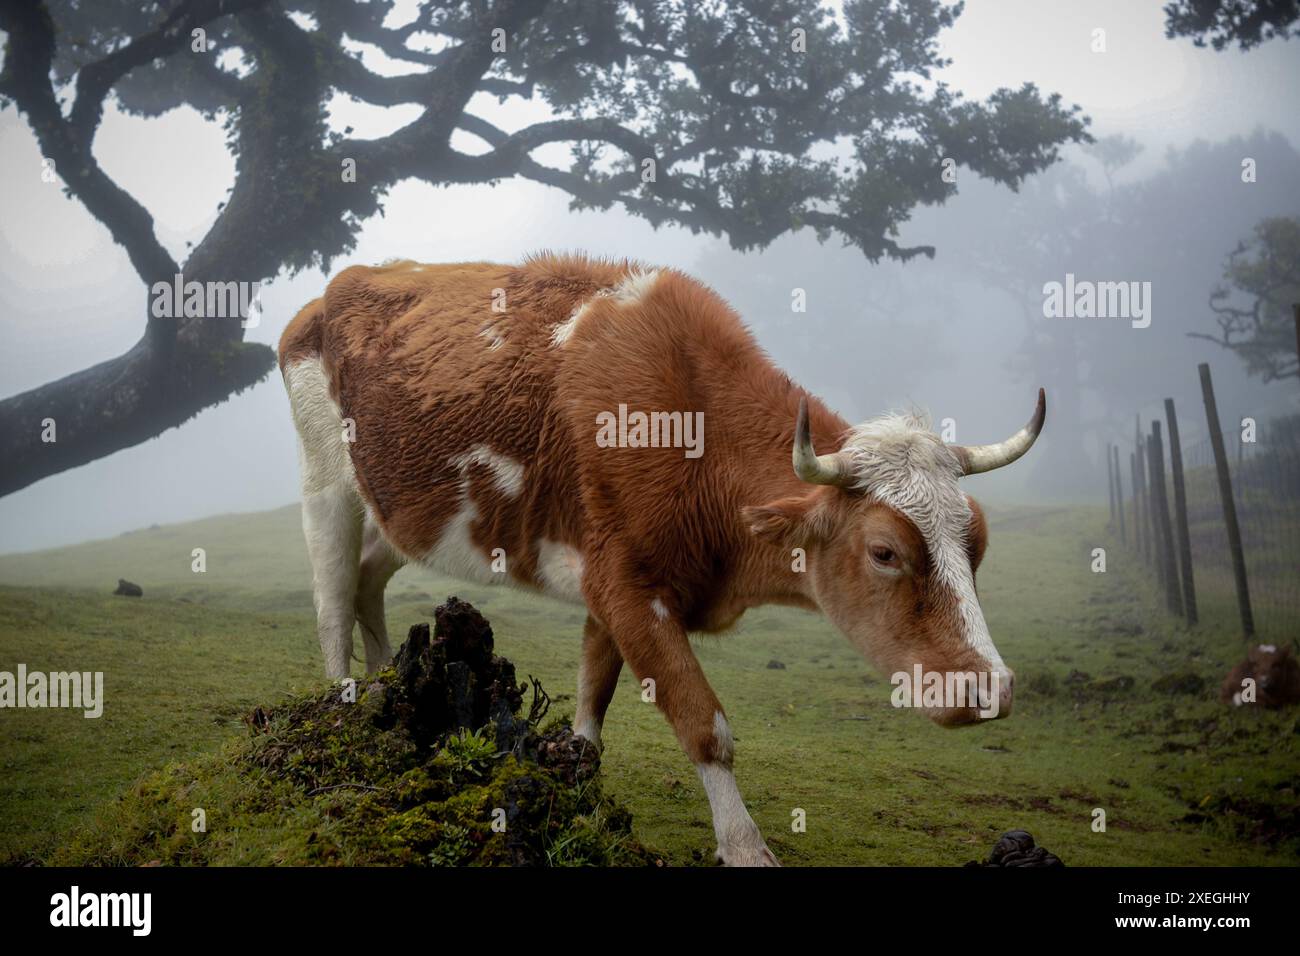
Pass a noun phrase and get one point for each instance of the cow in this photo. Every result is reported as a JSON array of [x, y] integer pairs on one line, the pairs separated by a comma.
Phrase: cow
[[1274, 676], [611, 435]]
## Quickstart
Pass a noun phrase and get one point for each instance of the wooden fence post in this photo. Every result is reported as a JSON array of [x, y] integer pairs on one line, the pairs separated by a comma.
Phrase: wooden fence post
[[1139, 443], [1119, 495], [1153, 505], [1110, 485], [1229, 506], [1180, 513], [1137, 508], [1173, 596]]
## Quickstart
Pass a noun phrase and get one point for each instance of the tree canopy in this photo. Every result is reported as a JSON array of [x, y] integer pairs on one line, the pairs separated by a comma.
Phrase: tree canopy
[[1220, 23], [1255, 304], [747, 119]]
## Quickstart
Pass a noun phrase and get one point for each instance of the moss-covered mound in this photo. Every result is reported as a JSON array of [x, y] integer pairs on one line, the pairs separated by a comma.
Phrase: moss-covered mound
[[430, 763]]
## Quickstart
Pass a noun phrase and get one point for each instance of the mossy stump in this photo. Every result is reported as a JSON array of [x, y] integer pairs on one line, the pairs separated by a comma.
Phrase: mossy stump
[[430, 762]]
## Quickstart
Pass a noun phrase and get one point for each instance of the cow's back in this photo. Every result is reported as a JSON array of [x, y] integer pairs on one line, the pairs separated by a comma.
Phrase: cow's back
[[446, 376]]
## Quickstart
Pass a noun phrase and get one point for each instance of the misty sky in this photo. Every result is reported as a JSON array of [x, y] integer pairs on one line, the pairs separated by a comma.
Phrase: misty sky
[[70, 298]]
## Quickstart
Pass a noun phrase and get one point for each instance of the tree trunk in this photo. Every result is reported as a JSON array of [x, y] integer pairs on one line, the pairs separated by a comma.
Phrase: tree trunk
[[119, 403]]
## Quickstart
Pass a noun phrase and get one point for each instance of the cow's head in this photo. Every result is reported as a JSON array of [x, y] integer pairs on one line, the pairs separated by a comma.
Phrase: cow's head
[[892, 546]]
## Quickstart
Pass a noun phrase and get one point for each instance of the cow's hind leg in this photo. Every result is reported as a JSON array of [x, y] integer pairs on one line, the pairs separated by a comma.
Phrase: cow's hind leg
[[655, 646], [379, 562], [332, 511], [597, 678], [331, 521]]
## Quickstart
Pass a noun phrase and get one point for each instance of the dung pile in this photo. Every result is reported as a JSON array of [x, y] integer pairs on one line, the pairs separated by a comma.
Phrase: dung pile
[[1016, 848], [431, 762]]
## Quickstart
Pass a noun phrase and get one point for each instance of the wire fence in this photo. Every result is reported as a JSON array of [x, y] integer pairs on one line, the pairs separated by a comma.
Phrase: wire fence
[[1196, 567], [1265, 477]]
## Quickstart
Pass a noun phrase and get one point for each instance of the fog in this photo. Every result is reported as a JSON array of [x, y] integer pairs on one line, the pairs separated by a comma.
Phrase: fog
[[962, 335]]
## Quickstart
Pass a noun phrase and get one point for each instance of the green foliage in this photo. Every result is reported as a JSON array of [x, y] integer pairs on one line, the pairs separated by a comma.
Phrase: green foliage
[[468, 752]]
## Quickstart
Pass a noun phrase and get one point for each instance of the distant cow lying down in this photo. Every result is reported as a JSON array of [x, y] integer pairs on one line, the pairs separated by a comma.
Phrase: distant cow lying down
[[1275, 673], [462, 417]]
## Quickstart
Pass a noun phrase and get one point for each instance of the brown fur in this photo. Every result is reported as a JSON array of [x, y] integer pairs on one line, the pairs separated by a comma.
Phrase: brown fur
[[1276, 674]]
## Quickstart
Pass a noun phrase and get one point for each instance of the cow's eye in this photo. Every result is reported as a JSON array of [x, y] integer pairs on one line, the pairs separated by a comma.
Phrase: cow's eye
[[883, 554]]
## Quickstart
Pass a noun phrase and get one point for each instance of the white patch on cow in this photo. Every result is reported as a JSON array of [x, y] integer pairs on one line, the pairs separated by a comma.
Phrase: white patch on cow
[[660, 609], [322, 452], [739, 841], [559, 570], [722, 734], [495, 339], [455, 552], [507, 474], [898, 460], [561, 334], [586, 726], [635, 286]]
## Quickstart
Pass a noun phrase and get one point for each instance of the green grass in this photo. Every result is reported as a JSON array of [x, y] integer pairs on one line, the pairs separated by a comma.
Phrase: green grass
[[1181, 779]]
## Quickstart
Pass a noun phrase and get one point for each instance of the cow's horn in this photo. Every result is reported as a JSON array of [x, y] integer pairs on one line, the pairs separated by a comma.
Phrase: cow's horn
[[808, 465], [976, 459]]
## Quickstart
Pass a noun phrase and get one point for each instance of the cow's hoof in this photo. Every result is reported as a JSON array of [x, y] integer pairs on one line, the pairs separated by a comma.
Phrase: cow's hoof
[[747, 856]]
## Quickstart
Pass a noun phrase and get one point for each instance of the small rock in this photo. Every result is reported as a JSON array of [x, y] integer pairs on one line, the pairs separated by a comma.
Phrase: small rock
[[775, 665], [127, 589]]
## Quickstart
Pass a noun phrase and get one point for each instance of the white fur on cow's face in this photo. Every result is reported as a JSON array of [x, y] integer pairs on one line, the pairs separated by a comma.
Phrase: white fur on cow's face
[[900, 462]]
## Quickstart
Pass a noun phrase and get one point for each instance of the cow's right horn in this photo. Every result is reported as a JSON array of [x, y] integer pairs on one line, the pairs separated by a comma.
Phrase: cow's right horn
[[808, 465], [977, 459]]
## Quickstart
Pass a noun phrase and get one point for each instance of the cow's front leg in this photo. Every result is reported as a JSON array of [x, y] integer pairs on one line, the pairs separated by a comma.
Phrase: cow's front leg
[[656, 647], [597, 678]]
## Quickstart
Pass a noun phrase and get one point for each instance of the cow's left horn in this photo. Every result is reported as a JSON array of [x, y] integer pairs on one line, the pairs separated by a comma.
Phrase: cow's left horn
[[976, 459], [808, 465]]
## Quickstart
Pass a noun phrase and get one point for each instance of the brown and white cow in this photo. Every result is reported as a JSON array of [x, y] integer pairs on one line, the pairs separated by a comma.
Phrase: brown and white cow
[[448, 411]]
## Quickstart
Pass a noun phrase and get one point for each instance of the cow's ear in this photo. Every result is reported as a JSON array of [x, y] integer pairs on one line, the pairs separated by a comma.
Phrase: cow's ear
[[781, 521]]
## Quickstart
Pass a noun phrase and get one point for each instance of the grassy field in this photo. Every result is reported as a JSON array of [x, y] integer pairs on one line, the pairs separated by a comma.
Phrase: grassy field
[[1181, 779]]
